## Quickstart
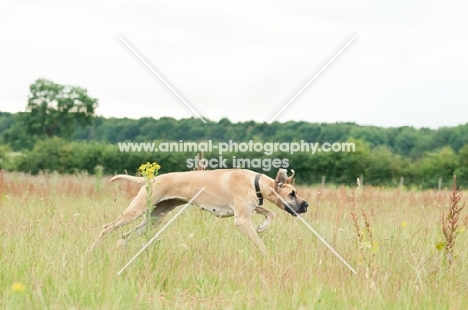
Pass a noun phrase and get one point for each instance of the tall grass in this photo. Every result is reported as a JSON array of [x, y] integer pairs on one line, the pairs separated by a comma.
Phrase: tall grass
[[450, 222], [202, 262]]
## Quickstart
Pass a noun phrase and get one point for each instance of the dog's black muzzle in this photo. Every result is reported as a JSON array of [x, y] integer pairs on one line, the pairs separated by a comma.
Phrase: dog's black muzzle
[[288, 209], [302, 209]]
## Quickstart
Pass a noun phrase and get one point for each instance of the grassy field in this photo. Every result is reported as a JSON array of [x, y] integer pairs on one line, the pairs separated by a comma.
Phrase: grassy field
[[202, 262]]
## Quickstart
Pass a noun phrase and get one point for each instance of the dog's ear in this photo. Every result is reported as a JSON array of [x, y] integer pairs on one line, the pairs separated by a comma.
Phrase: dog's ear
[[291, 178], [281, 177]]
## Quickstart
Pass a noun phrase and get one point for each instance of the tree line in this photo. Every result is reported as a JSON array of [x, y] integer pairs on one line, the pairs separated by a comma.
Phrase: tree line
[[58, 131], [406, 141]]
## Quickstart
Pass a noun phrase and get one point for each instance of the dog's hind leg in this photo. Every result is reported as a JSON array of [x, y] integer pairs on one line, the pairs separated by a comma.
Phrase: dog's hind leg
[[269, 216], [138, 230], [157, 216], [136, 209], [124, 219], [245, 224]]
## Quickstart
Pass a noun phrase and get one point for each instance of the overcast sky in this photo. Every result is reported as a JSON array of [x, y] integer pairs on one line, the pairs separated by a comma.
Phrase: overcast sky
[[245, 59]]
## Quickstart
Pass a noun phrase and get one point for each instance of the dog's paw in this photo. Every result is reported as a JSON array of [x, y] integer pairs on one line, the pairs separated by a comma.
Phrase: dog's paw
[[261, 228]]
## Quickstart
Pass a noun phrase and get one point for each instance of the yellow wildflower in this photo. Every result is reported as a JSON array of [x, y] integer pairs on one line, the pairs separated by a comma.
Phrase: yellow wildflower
[[17, 287], [149, 170], [404, 224]]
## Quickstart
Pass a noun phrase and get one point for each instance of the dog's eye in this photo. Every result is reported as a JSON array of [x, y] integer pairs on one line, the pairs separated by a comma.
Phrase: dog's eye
[[293, 194]]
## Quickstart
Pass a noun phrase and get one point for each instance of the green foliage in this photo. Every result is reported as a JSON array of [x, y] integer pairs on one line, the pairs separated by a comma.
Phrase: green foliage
[[17, 136], [59, 133], [6, 120], [463, 164], [441, 163], [377, 166], [4, 156], [405, 141], [55, 110], [59, 155]]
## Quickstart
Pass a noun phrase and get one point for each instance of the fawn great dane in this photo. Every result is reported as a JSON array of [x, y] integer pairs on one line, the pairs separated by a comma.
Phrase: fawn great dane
[[228, 192]]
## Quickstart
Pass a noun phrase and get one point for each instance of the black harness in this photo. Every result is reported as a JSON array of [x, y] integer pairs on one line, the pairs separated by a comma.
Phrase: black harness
[[257, 189]]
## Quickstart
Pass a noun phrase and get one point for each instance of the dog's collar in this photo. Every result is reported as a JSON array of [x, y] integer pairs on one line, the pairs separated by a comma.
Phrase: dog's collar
[[257, 189]]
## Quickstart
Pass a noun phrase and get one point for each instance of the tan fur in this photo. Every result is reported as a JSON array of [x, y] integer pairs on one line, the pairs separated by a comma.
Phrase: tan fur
[[228, 192]]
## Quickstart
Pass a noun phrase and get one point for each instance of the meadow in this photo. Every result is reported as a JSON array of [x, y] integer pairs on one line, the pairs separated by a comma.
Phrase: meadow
[[392, 237]]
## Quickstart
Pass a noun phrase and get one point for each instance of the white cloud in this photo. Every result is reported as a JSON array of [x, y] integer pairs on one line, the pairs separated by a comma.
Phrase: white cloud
[[246, 59]]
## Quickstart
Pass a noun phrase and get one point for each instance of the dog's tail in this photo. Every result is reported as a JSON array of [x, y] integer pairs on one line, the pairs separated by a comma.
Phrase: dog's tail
[[140, 180]]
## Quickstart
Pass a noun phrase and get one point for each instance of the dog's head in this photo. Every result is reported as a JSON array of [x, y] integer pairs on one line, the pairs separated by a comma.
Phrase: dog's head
[[287, 192]]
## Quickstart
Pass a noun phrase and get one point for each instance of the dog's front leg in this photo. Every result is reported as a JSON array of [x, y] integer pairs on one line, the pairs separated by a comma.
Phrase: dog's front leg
[[245, 224], [269, 216]]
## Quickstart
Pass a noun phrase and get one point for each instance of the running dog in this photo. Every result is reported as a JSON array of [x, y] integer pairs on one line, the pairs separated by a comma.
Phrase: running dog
[[228, 192]]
